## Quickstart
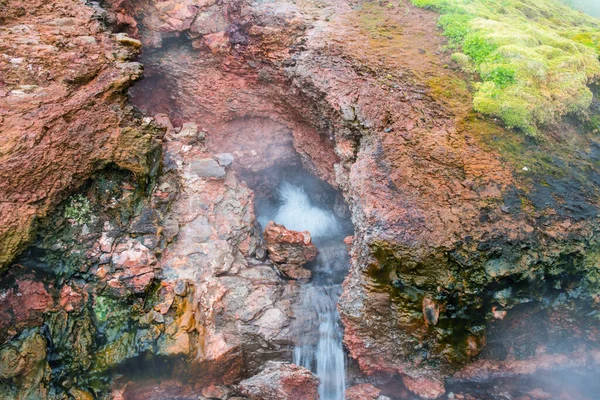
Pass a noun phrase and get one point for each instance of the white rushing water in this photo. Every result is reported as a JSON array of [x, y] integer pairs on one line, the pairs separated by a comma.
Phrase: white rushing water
[[318, 327]]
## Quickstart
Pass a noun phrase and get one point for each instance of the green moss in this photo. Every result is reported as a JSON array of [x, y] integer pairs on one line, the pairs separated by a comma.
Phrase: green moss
[[535, 58], [78, 209]]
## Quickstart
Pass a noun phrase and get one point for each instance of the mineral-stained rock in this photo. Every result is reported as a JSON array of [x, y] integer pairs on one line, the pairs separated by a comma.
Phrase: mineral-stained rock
[[23, 305], [281, 381], [289, 250], [134, 266], [363, 391], [23, 367], [64, 114], [446, 225], [70, 299]]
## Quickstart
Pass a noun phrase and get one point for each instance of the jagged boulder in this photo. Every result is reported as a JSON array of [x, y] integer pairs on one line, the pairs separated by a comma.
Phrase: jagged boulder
[[290, 250]]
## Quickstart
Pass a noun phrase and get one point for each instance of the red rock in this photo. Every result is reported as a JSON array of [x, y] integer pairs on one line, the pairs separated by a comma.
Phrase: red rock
[[59, 118], [70, 299], [287, 246], [24, 305], [424, 387], [134, 266], [34, 295], [281, 381], [216, 392], [363, 391], [218, 42]]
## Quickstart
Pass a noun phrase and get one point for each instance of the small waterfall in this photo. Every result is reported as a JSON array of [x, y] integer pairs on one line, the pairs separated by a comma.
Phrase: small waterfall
[[317, 327]]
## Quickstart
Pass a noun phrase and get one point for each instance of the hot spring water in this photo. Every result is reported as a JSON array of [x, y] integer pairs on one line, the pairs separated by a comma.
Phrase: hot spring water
[[317, 327]]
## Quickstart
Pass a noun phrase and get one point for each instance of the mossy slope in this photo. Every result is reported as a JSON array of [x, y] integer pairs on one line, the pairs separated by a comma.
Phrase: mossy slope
[[536, 58]]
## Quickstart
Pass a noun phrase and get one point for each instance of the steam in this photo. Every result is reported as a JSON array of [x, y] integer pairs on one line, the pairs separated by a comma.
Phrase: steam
[[317, 327], [591, 7], [298, 214]]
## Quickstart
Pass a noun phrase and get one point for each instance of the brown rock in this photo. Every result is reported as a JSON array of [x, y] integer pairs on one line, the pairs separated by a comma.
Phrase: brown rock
[[24, 362], [431, 312], [294, 271], [363, 391], [281, 381]]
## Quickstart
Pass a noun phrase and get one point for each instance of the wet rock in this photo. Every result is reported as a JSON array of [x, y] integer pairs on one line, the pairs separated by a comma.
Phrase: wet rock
[[23, 305], [180, 288], [216, 392], [290, 250], [70, 299], [431, 312], [207, 168], [281, 381], [363, 391], [134, 266], [78, 394], [23, 367]]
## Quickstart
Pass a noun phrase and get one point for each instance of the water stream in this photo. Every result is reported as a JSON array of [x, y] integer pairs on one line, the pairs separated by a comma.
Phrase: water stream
[[317, 326]]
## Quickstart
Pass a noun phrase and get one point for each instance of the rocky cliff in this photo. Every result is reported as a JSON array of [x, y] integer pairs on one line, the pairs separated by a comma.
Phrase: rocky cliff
[[468, 236]]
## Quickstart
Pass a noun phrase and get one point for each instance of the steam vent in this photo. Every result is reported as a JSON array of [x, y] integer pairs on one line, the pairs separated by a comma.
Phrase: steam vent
[[299, 199]]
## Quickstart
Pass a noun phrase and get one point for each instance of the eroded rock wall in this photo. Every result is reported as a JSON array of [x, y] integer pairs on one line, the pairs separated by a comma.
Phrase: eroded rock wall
[[63, 110], [451, 231], [457, 239]]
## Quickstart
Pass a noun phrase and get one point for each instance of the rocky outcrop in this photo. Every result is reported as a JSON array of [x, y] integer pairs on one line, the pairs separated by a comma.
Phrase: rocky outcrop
[[290, 250], [446, 217], [238, 310], [64, 111], [281, 381], [458, 235]]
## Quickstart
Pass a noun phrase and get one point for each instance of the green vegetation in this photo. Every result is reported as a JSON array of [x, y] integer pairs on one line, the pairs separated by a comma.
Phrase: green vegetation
[[535, 57], [78, 209]]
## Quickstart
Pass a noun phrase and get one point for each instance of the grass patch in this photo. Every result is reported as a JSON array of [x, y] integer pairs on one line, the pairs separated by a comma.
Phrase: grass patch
[[536, 58]]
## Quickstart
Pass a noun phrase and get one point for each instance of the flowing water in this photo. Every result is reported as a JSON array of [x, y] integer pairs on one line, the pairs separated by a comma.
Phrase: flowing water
[[317, 327]]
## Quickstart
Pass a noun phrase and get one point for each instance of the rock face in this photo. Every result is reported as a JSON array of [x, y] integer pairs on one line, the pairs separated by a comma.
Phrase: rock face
[[64, 113], [450, 228], [462, 244], [290, 250], [281, 381]]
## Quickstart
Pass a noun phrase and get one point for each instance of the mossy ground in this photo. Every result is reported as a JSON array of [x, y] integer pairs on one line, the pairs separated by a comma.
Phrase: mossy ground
[[535, 58]]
